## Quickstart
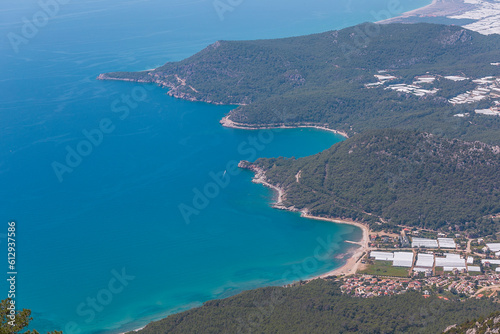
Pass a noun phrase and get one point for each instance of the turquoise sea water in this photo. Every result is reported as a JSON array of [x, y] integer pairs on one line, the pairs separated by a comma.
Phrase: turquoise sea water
[[117, 211]]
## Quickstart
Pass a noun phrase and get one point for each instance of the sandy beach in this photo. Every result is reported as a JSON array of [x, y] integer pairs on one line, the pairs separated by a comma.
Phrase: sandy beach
[[226, 122], [438, 8], [414, 12], [352, 264], [354, 261]]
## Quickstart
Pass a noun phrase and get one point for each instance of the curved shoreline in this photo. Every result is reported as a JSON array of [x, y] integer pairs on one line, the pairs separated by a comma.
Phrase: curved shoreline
[[437, 8], [409, 13], [260, 178], [226, 122], [350, 267]]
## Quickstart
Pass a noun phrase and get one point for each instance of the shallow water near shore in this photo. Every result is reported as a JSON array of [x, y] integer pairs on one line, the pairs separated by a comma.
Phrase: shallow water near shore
[[107, 249]]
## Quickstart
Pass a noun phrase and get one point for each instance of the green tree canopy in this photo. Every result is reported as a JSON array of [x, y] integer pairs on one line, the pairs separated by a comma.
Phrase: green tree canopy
[[19, 323]]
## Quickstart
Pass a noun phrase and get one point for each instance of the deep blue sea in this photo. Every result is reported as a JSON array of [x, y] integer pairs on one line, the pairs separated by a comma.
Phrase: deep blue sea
[[101, 244]]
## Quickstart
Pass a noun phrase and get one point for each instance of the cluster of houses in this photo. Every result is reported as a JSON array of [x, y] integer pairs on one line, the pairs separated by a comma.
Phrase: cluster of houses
[[462, 284], [366, 286], [371, 286]]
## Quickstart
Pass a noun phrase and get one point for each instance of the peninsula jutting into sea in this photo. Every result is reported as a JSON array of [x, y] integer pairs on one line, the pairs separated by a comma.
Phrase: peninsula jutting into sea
[[349, 80]]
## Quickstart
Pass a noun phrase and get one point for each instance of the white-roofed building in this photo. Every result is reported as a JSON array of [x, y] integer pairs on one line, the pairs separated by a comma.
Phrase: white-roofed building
[[403, 259], [452, 256], [447, 243], [384, 77], [473, 268], [450, 262], [422, 242], [452, 268], [455, 256], [382, 256], [494, 247], [425, 261], [491, 261], [399, 259], [497, 270], [470, 260], [455, 77]]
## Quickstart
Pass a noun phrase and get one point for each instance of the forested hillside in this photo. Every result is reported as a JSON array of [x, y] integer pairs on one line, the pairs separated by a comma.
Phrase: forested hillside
[[402, 176], [319, 307], [319, 79], [485, 325]]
